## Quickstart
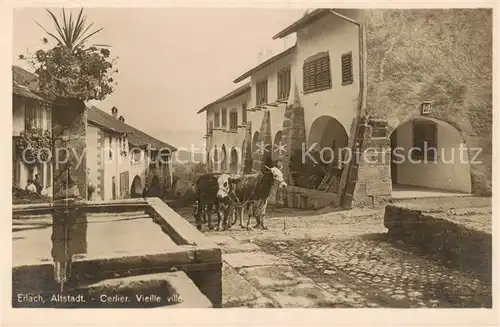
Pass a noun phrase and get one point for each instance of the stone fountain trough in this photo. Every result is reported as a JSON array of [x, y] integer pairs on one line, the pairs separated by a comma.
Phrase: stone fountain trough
[[123, 253]]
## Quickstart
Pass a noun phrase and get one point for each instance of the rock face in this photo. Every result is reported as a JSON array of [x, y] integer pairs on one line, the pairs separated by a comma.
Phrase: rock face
[[433, 230]]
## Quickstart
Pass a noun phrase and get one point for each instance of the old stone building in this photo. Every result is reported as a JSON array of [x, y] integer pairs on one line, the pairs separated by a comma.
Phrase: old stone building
[[120, 159], [370, 83]]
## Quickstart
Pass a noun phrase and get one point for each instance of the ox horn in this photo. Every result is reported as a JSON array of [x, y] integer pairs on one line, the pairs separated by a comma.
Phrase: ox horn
[[267, 167]]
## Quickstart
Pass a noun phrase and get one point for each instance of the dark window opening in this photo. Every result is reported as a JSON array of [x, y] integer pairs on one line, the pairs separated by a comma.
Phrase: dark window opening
[[424, 138], [224, 117], [217, 119], [244, 113]]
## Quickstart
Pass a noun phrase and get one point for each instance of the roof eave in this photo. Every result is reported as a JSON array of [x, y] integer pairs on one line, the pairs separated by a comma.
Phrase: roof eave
[[266, 63], [307, 19], [238, 92]]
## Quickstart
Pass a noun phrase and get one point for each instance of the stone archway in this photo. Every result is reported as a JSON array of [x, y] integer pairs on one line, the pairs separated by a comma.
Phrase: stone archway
[[327, 133], [234, 164], [428, 153], [223, 162], [255, 141], [136, 188], [329, 139]]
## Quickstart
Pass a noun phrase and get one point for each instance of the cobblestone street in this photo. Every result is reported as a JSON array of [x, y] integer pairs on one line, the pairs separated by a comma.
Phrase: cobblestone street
[[343, 259]]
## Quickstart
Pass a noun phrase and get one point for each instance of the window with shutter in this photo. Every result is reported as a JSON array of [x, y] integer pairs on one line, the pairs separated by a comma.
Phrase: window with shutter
[[316, 73], [224, 117], [346, 64], [261, 92], [216, 119], [244, 112], [233, 120], [424, 138], [284, 77]]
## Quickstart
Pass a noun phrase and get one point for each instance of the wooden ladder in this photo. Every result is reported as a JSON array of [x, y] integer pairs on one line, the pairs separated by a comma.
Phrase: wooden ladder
[[325, 183]]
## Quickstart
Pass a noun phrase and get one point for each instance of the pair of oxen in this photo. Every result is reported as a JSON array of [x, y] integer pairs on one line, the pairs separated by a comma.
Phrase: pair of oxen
[[231, 194]]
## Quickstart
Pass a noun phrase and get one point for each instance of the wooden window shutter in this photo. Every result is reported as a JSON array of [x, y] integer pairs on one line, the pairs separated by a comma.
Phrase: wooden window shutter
[[346, 64], [316, 73]]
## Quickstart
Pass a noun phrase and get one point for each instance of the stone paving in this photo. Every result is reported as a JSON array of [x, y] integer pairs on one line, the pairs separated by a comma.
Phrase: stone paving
[[342, 259]]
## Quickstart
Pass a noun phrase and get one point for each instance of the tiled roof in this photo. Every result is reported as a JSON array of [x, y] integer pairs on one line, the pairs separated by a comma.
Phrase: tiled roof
[[266, 63], [96, 116], [135, 137], [231, 95], [23, 91]]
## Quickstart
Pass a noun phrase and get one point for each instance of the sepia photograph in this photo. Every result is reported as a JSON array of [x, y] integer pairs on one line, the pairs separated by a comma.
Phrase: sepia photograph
[[251, 157]]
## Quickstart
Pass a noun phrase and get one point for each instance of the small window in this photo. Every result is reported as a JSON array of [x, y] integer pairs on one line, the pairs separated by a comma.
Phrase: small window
[[244, 112], [261, 92], [284, 76], [233, 120], [347, 75], [224, 117], [217, 119], [110, 148], [424, 137], [316, 73]]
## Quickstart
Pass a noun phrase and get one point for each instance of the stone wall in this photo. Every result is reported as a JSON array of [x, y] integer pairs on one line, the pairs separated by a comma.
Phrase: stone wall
[[293, 136], [368, 178], [434, 230], [302, 198], [439, 55]]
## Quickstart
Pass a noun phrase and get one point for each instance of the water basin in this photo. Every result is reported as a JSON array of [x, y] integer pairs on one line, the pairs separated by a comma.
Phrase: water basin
[[79, 250]]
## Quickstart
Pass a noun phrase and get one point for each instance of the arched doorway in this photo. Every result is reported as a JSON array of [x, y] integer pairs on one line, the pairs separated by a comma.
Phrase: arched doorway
[[329, 139], [136, 188], [154, 190], [233, 168], [327, 133], [278, 148], [429, 154], [223, 162]]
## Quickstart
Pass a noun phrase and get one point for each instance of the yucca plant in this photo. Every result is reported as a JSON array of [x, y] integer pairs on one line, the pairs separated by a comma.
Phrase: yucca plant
[[71, 68], [71, 34]]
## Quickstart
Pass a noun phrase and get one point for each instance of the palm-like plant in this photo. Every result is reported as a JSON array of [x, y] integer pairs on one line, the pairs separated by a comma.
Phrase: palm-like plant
[[71, 34]]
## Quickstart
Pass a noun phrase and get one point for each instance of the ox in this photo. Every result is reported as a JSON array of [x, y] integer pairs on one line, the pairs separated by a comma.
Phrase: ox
[[206, 199], [251, 191]]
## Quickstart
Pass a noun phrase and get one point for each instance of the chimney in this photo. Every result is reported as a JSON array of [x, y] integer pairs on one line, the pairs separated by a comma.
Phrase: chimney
[[122, 119], [114, 112]]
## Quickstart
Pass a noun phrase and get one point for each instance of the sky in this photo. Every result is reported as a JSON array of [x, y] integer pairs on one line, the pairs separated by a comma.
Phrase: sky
[[171, 61]]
